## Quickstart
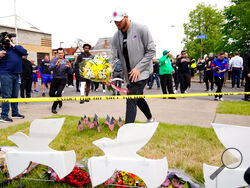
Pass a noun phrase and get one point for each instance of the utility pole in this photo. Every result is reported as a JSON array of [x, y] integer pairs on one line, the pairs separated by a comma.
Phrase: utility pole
[[15, 17]]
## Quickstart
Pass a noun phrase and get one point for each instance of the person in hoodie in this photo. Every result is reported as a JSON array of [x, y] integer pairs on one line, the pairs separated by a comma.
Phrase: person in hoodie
[[166, 71], [10, 70], [60, 67], [26, 77], [219, 67]]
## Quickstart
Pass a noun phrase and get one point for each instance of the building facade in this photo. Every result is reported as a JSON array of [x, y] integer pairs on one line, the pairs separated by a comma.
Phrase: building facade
[[38, 44]]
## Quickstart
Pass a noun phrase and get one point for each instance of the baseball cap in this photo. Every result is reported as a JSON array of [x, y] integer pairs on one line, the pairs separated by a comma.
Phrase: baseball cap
[[165, 52], [118, 15]]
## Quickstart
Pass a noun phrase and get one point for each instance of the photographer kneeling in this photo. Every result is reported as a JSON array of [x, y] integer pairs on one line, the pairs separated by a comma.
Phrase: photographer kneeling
[[10, 70]]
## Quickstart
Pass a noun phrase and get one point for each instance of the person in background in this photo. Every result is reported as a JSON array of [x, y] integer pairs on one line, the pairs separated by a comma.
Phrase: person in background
[[45, 73], [246, 63], [226, 73], [85, 83], [35, 76], [70, 77], [60, 67], [193, 66], [237, 67], [200, 68], [166, 71], [10, 70], [175, 75], [183, 65], [208, 73], [117, 73], [219, 67], [155, 75], [26, 77]]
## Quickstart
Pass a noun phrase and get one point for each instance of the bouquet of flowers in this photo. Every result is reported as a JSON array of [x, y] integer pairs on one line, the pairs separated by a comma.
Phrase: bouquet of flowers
[[97, 69], [125, 178], [78, 177]]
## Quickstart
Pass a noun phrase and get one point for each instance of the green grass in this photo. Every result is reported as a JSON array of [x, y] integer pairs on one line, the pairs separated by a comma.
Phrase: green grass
[[234, 107], [186, 147]]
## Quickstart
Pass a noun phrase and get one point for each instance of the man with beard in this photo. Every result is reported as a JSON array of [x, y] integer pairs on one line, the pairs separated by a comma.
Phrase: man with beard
[[134, 46]]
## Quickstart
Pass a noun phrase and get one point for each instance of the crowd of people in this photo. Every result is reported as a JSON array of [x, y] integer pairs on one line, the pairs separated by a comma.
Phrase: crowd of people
[[134, 63]]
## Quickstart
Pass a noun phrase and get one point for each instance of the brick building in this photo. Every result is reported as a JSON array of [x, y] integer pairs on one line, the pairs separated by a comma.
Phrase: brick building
[[37, 43]]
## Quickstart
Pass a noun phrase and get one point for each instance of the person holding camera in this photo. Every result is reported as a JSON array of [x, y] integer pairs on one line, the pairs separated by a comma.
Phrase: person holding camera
[[219, 67], [60, 67], [10, 70]]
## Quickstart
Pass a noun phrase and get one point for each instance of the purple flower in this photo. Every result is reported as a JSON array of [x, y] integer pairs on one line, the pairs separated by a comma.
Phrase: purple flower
[[167, 182], [134, 37]]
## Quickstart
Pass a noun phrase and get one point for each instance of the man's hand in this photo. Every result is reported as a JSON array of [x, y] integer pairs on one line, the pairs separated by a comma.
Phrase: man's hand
[[134, 75], [248, 75], [2, 53], [57, 63], [68, 64], [173, 72], [11, 42]]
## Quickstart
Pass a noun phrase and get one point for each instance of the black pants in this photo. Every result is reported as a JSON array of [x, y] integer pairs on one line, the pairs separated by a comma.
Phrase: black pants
[[166, 82], [25, 85], [70, 80], [247, 87], [219, 83], [78, 77], [136, 88], [56, 88], [184, 81], [209, 77], [176, 80]]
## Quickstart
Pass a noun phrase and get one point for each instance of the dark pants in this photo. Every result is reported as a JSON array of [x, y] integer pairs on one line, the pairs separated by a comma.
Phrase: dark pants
[[247, 87], [176, 80], [209, 77], [219, 83], [154, 77], [56, 88], [70, 79], [26, 85], [136, 88], [166, 82], [10, 85], [236, 74], [77, 82], [184, 81]]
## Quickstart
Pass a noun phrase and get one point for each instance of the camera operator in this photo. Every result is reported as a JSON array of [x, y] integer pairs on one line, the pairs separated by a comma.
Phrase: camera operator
[[219, 66], [10, 70]]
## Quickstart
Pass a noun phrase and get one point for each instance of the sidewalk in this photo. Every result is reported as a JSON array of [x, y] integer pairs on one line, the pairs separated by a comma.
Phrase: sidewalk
[[180, 112]]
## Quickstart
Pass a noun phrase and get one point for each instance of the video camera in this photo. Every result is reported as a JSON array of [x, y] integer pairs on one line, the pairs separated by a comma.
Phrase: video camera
[[3, 40]]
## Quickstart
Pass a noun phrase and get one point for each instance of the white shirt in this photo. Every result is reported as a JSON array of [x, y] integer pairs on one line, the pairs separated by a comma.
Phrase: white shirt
[[237, 62]]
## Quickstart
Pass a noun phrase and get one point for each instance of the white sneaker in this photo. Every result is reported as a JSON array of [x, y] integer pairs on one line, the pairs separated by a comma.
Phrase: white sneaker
[[216, 98], [185, 92], [175, 91], [221, 99], [151, 121], [63, 91], [96, 90], [104, 91], [71, 86]]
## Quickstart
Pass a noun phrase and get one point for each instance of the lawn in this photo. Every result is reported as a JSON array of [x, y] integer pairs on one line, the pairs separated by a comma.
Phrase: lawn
[[186, 147], [234, 107]]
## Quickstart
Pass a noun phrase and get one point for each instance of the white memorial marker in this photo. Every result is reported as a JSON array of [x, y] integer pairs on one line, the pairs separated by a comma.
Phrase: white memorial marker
[[35, 148], [231, 136], [120, 154]]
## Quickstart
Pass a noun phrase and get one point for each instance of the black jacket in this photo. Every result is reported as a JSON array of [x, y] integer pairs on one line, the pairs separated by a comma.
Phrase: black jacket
[[79, 60], [183, 67], [27, 69]]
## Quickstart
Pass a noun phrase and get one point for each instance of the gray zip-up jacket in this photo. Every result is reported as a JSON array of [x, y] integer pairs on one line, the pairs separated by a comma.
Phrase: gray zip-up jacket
[[141, 50]]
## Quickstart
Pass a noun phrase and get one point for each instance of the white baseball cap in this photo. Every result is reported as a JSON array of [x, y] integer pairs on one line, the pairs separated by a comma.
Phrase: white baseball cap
[[118, 15]]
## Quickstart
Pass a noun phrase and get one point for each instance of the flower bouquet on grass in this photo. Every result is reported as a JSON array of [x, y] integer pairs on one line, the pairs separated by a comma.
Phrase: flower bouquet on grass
[[125, 178], [97, 69], [78, 177]]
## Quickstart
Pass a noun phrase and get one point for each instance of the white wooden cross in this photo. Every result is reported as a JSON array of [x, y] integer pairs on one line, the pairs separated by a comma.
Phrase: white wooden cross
[[120, 154], [34, 148]]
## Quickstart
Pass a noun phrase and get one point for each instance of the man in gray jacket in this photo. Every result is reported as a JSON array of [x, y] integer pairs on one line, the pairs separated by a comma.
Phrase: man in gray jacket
[[134, 46]]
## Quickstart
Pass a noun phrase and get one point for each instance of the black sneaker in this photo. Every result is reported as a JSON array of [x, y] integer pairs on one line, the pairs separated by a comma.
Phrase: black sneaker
[[18, 116], [5, 119], [86, 100], [54, 111], [81, 101], [60, 105], [43, 94]]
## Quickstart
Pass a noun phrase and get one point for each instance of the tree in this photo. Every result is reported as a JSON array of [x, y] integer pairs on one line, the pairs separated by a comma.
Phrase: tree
[[236, 30], [205, 19]]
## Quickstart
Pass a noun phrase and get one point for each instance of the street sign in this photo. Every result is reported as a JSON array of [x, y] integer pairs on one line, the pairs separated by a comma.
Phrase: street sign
[[201, 36]]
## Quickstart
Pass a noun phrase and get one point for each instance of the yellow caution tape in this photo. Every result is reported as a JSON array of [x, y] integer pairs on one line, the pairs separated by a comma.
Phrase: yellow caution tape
[[51, 99]]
